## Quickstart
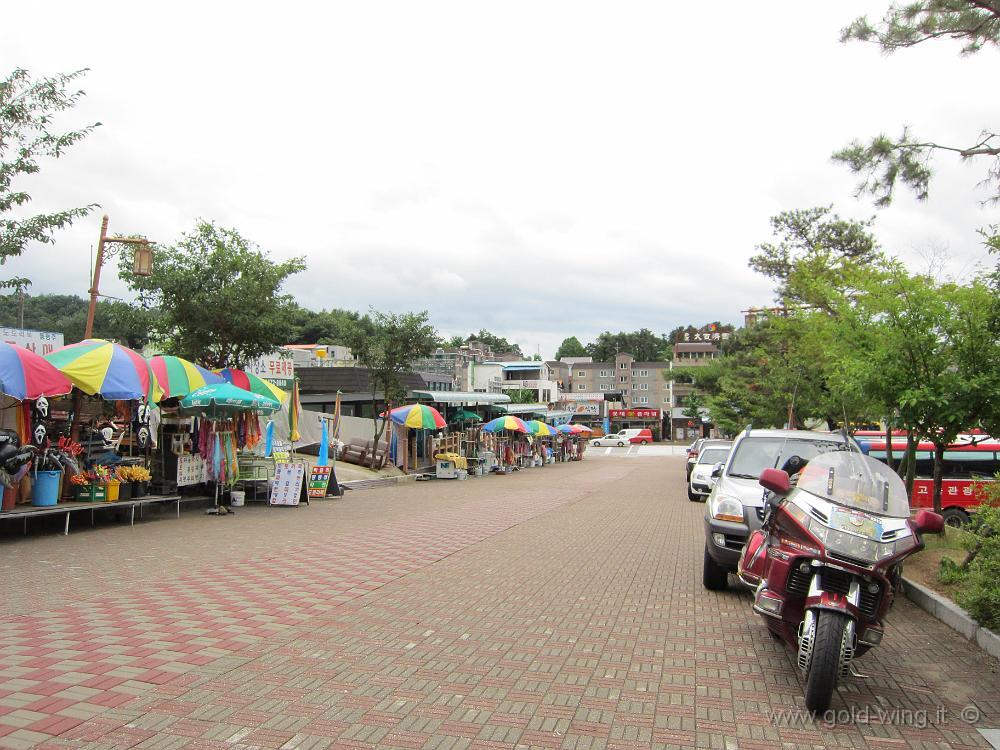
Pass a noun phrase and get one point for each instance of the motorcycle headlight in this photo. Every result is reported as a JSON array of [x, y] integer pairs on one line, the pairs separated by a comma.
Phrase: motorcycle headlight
[[725, 508], [851, 545]]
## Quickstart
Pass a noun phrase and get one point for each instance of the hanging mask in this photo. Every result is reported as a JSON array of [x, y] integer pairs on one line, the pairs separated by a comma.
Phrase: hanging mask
[[40, 435], [42, 408], [142, 436]]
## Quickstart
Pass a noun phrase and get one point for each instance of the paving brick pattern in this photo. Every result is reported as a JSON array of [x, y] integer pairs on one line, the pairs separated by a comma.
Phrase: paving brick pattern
[[555, 608]]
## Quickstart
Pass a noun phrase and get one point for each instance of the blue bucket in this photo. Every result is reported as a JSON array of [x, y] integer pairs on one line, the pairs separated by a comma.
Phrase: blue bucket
[[46, 488]]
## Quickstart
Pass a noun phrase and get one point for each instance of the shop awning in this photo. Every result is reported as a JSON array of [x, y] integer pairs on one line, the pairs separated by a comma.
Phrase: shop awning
[[525, 408], [525, 366], [461, 397]]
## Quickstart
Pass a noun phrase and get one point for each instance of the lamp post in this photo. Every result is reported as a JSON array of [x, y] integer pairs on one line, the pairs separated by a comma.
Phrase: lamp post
[[142, 265]]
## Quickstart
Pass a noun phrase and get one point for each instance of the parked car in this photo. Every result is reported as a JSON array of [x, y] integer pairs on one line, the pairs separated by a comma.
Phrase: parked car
[[713, 453], [624, 437], [613, 439], [693, 450], [735, 506]]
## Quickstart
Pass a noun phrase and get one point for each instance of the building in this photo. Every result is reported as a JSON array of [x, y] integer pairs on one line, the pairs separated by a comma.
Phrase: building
[[321, 355], [532, 375], [642, 390], [695, 349], [457, 364], [319, 386]]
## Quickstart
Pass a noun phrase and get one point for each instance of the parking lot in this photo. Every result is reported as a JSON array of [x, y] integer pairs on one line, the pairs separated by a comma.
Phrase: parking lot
[[558, 607]]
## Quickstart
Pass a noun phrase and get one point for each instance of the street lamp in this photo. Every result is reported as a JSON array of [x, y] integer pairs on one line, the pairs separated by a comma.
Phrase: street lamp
[[111, 246]]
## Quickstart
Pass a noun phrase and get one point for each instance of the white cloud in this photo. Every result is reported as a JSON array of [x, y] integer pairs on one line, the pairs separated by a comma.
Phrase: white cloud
[[538, 169]]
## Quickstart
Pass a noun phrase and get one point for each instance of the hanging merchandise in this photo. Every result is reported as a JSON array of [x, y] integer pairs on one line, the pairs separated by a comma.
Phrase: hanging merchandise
[[140, 424]]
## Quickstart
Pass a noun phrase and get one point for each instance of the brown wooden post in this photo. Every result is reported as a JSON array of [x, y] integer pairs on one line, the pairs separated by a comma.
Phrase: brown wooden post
[[96, 280]]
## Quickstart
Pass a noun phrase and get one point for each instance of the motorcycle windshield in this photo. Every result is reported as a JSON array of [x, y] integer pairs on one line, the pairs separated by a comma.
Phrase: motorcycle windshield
[[856, 481]]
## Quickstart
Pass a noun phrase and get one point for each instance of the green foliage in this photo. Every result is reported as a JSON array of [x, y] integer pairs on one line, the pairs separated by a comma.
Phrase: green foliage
[[27, 110], [817, 237], [67, 314], [324, 327], [978, 578], [219, 298], [455, 342], [386, 344], [496, 343], [522, 396], [643, 344], [571, 347], [884, 161]]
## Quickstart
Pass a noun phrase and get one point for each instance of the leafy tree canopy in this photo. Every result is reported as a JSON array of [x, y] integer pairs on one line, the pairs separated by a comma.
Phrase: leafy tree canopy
[[219, 297], [497, 344], [67, 314], [883, 161], [571, 347], [27, 110], [643, 344], [323, 327]]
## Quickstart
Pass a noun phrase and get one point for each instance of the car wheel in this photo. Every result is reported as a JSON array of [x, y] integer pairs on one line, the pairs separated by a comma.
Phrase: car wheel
[[642, 442], [621, 444], [597, 443], [955, 517], [713, 576]]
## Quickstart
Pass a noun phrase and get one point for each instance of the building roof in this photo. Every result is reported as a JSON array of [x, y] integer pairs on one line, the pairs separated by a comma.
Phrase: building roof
[[345, 379], [461, 397], [526, 408]]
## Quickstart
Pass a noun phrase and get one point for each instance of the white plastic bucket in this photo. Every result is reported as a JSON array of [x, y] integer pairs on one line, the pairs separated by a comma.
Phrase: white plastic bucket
[[236, 498]]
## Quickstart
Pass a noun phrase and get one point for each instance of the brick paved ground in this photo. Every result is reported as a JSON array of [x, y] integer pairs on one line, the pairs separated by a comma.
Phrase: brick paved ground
[[557, 608]]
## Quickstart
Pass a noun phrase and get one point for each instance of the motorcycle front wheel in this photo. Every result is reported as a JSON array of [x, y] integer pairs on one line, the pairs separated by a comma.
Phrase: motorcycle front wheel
[[824, 666]]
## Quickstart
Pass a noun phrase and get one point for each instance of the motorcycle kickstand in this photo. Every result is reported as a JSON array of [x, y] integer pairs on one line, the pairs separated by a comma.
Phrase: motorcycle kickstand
[[856, 673]]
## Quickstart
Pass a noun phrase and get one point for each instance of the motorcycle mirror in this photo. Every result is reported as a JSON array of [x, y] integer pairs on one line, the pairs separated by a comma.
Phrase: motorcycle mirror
[[775, 480], [928, 522]]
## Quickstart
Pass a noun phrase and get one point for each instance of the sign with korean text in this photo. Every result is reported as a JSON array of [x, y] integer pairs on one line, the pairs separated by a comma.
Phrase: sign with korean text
[[319, 480], [191, 470], [634, 413], [288, 479], [39, 342], [279, 368], [583, 408]]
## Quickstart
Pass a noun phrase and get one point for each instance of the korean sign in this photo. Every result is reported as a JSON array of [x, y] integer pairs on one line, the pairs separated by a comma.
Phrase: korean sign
[[279, 368], [634, 413], [40, 342]]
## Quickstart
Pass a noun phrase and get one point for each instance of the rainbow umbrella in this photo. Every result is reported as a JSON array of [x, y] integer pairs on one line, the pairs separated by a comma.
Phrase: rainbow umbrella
[[250, 382], [178, 376], [26, 375], [418, 416], [583, 428], [571, 429], [507, 422], [537, 427], [111, 371]]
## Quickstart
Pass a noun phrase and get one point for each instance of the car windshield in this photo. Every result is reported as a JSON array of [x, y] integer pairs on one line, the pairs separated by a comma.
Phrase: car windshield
[[713, 455], [754, 454], [856, 481]]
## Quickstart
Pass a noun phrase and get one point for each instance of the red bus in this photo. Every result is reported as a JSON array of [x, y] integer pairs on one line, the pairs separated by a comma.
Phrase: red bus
[[972, 459]]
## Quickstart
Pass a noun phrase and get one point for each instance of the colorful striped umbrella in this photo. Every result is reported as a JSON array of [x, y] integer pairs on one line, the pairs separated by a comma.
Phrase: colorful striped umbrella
[[109, 370], [537, 427], [418, 416], [571, 429], [178, 376], [584, 428], [506, 423], [250, 382], [26, 375]]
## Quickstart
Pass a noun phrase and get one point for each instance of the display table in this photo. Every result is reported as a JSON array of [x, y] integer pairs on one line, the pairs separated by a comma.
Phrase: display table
[[73, 506]]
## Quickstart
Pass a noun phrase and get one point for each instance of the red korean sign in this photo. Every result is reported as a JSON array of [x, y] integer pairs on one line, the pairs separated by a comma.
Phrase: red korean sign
[[634, 413]]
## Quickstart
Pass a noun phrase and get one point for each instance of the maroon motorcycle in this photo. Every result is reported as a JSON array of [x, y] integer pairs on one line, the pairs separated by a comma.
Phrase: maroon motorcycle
[[826, 564]]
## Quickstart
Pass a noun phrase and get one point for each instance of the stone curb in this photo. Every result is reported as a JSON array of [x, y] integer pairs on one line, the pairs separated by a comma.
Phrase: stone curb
[[953, 616]]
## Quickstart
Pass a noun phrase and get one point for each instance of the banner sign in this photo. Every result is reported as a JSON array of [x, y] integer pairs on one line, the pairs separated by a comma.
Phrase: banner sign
[[39, 342], [279, 368], [288, 479], [319, 480], [191, 470], [634, 413], [584, 408]]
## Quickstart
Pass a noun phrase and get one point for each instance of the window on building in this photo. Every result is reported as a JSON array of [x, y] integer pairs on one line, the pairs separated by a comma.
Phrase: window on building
[[642, 373], [581, 373], [643, 399], [642, 386], [604, 386], [581, 386], [606, 373], [623, 379], [666, 400]]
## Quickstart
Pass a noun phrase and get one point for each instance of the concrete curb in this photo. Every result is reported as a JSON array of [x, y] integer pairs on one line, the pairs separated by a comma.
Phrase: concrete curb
[[953, 616]]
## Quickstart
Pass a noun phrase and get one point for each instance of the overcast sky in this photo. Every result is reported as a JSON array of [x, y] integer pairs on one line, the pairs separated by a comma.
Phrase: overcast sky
[[540, 169]]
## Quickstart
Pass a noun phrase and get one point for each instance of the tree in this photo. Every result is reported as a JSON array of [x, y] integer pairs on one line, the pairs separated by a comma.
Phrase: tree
[[324, 327], [812, 234], [219, 298], [571, 347], [643, 344], [522, 396], [883, 160], [386, 344], [67, 314], [27, 110], [497, 344], [455, 342]]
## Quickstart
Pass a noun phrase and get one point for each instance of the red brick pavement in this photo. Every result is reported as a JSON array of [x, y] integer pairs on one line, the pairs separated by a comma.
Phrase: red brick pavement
[[555, 608]]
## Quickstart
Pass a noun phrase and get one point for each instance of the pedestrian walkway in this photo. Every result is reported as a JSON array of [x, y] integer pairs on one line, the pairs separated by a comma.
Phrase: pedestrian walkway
[[558, 607]]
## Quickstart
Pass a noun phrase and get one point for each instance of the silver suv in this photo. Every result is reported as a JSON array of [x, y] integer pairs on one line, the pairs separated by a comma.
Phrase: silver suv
[[735, 506]]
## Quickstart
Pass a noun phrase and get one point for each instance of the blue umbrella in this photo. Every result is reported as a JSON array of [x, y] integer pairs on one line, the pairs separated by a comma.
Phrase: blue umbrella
[[269, 438], [324, 449]]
